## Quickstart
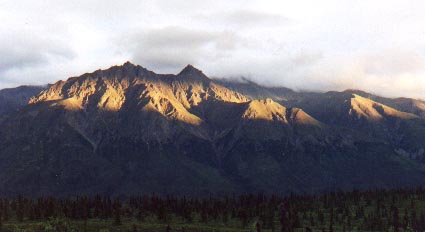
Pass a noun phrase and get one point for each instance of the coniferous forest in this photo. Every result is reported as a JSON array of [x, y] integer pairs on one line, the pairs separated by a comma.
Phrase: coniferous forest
[[377, 210]]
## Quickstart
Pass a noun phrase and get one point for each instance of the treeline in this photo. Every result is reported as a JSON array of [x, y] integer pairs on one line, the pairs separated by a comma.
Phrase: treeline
[[377, 210]]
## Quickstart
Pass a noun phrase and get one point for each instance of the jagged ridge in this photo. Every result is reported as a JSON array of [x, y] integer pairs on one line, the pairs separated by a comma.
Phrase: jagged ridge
[[127, 129]]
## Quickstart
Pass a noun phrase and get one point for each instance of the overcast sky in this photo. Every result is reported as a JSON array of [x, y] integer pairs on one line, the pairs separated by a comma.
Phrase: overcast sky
[[374, 45]]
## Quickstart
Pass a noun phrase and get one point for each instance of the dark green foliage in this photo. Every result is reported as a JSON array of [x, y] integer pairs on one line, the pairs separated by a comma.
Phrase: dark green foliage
[[378, 210]]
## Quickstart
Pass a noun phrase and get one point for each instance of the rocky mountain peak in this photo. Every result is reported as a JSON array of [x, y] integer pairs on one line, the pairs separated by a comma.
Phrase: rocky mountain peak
[[189, 69], [128, 63], [132, 85], [192, 73]]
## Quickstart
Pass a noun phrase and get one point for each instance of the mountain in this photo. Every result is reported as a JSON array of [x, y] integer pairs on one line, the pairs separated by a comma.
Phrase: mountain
[[398, 121], [14, 98], [127, 130], [255, 91], [415, 106]]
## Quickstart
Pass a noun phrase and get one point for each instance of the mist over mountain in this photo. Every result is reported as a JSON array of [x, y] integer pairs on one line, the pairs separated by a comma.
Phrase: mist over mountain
[[128, 130]]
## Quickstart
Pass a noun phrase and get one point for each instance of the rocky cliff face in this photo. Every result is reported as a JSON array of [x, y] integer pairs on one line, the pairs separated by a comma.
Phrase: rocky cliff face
[[129, 130]]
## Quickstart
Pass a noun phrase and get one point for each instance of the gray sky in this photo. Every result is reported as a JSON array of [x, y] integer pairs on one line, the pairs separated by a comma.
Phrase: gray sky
[[374, 45]]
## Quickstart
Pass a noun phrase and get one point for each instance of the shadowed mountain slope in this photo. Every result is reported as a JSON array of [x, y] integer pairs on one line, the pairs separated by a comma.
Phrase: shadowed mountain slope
[[14, 98], [129, 130]]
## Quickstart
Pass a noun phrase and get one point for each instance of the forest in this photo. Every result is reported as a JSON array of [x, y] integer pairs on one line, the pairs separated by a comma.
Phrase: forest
[[373, 210]]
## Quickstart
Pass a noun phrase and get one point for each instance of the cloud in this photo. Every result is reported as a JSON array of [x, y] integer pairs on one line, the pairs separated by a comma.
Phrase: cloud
[[393, 62], [22, 50], [168, 49], [245, 18], [391, 72], [306, 58], [306, 45]]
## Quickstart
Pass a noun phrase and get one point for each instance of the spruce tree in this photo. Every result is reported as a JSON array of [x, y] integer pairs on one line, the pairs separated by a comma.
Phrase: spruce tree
[[258, 227], [1, 222], [20, 209], [284, 222], [117, 212], [396, 219]]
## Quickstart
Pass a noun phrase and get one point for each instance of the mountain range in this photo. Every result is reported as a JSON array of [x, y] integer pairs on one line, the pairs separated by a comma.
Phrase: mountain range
[[128, 130]]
